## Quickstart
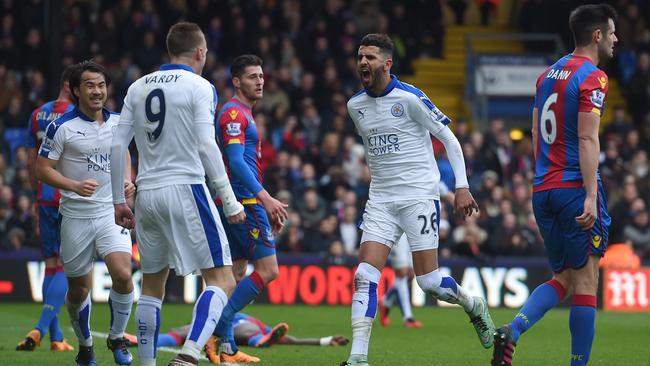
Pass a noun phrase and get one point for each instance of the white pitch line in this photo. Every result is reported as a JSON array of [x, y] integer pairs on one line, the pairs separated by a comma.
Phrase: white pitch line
[[164, 349]]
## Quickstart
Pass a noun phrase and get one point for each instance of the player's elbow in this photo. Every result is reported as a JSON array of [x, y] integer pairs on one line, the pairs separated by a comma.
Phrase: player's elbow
[[587, 139], [204, 147]]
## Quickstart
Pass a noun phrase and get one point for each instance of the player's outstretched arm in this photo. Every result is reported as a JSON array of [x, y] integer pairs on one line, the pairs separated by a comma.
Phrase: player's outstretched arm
[[216, 172], [337, 340], [211, 156], [464, 203], [589, 149], [424, 112]]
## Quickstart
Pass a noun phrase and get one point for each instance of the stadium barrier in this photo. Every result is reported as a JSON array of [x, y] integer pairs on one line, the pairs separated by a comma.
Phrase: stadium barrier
[[313, 280]]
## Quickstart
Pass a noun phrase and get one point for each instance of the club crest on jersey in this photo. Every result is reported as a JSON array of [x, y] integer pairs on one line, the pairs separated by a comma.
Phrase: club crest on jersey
[[397, 110], [255, 233], [597, 98], [233, 128], [233, 114], [603, 81]]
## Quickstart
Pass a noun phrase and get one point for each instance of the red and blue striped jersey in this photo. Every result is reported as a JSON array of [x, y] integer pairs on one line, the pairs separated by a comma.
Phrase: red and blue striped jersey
[[37, 124], [572, 85], [240, 141]]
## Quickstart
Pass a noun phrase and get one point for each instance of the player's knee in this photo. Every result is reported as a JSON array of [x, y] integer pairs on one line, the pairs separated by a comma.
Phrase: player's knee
[[585, 285], [77, 293], [239, 274], [442, 288], [564, 279], [122, 278], [364, 274], [402, 272], [269, 274]]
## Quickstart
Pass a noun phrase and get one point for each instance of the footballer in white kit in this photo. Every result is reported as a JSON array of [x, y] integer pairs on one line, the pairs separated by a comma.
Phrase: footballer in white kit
[[82, 149], [75, 157], [171, 114], [177, 223], [404, 195], [395, 120]]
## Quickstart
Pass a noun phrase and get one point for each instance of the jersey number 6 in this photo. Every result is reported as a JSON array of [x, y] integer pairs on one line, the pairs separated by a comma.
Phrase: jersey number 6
[[425, 229], [156, 119], [547, 122]]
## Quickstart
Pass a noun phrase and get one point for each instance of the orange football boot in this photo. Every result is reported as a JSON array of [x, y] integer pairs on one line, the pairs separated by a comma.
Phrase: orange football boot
[[210, 348], [31, 341], [239, 357], [274, 335], [384, 319], [412, 323], [61, 346]]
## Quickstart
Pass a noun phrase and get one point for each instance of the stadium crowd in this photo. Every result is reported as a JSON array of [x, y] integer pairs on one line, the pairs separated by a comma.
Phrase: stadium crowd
[[312, 157]]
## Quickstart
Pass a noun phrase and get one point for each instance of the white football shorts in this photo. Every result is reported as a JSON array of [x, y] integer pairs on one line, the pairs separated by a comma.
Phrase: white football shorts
[[419, 220], [179, 226], [82, 239]]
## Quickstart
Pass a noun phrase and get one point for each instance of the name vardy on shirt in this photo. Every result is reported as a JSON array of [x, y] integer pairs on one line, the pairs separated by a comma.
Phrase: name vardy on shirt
[[161, 79]]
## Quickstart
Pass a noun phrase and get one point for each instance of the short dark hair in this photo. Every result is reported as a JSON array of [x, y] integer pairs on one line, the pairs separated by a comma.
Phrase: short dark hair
[[382, 41], [585, 19], [183, 37], [240, 63], [79, 69], [65, 75]]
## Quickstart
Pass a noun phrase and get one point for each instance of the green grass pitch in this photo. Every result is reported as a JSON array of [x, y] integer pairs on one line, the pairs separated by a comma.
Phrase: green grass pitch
[[446, 339]]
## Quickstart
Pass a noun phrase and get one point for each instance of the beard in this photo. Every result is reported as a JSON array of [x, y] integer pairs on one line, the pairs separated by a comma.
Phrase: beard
[[376, 77]]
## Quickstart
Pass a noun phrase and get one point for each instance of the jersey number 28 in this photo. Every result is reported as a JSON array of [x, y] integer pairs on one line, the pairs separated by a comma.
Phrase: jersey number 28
[[547, 122], [154, 108]]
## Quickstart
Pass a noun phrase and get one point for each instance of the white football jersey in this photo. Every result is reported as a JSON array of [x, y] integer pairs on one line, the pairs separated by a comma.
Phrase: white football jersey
[[395, 127], [82, 148], [163, 108]]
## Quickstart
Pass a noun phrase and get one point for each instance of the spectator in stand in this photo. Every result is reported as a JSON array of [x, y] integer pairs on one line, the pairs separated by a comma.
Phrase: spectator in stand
[[349, 230], [458, 7], [291, 238], [487, 8], [322, 236], [312, 209], [637, 232], [7, 223], [470, 239], [619, 125], [638, 88]]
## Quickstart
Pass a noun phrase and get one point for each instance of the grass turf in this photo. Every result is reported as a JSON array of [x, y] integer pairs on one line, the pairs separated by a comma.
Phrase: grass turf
[[446, 339]]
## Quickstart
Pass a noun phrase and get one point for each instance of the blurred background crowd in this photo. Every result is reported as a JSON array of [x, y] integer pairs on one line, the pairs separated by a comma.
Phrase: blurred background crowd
[[312, 157]]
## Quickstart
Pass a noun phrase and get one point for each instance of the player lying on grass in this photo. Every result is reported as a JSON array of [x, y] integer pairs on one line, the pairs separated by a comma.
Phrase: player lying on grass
[[248, 331]]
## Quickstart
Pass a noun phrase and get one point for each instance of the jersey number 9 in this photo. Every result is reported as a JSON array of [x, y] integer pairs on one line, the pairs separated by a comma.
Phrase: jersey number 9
[[154, 107], [547, 122]]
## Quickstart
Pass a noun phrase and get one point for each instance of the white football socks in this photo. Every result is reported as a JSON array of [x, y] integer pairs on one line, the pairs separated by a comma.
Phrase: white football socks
[[445, 289], [80, 320], [205, 317], [120, 305], [364, 307], [147, 323]]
